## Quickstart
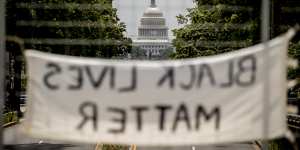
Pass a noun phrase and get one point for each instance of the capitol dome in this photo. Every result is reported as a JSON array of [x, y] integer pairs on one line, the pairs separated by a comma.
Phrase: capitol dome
[[153, 12], [152, 31]]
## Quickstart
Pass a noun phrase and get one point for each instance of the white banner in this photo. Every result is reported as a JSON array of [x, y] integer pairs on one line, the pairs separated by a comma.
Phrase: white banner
[[182, 102]]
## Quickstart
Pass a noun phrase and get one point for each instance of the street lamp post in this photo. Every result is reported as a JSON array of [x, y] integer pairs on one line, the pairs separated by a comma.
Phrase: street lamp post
[[2, 66], [265, 36]]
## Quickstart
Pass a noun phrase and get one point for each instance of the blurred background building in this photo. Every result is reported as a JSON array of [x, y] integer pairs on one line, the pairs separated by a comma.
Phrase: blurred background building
[[95, 29], [152, 32]]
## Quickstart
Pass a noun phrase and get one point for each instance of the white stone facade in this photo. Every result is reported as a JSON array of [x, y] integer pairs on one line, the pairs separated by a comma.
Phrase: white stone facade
[[152, 31]]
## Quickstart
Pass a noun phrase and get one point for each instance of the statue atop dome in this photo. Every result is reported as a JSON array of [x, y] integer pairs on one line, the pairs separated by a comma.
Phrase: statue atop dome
[[153, 10], [153, 3]]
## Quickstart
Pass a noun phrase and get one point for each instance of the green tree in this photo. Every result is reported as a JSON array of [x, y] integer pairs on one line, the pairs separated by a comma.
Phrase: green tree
[[218, 26], [285, 16], [294, 73], [166, 53], [72, 27], [138, 53]]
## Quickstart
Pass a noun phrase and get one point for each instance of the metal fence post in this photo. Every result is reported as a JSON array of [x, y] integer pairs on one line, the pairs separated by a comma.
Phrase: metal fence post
[[2, 67], [265, 36], [265, 20]]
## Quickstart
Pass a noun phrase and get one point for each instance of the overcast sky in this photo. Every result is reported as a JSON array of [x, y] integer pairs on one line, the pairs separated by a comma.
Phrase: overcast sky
[[130, 11]]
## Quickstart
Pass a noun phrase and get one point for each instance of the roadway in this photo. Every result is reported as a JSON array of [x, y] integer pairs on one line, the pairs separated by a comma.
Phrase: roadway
[[16, 140]]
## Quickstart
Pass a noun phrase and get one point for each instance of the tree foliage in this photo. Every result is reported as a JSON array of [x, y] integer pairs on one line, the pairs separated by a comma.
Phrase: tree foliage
[[138, 53], [214, 27], [294, 73], [166, 54], [285, 17], [81, 27]]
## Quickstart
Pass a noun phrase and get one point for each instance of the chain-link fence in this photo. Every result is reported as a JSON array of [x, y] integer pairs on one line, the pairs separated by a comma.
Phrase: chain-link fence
[[131, 29]]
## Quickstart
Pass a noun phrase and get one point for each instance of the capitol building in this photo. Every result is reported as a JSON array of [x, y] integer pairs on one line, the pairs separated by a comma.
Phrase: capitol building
[[152, 32]]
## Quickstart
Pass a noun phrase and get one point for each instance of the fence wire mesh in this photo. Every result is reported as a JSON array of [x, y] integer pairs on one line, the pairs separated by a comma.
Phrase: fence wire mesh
[[122, 30]]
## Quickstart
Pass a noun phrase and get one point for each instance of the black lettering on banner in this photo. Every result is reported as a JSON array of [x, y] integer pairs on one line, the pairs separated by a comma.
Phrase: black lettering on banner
[[192, 79], [182, 115], [54, 70], [133, 84], [244, 68], [112, 77], [162, 113], [78, 79], [122, 120], [206, 70], [92, 116], [97, 82], [169, 75], [230, 76], [202, 112], [139, 117]]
